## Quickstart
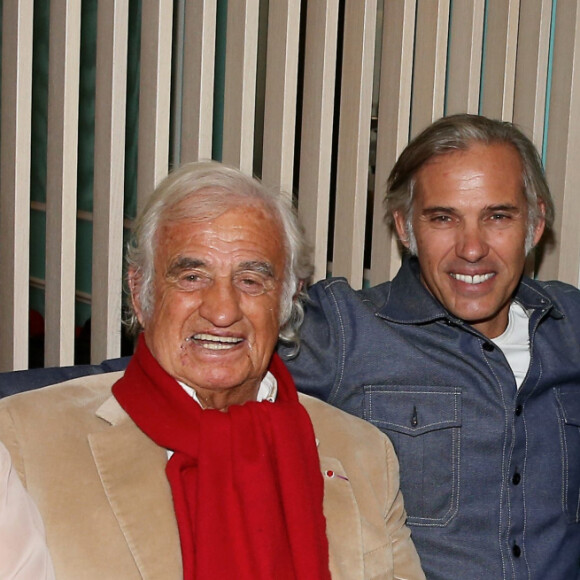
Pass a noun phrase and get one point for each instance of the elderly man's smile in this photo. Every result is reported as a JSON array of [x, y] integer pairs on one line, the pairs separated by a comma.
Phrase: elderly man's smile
[[213, 342]]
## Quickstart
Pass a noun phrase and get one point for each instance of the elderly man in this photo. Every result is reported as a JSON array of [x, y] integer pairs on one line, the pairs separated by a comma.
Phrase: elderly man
[[471, 368], [203, 462], [23, 551]]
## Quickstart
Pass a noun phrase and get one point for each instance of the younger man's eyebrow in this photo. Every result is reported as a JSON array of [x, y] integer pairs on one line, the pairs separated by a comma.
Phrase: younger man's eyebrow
[[437, 209], [503, 207], [450, 210]]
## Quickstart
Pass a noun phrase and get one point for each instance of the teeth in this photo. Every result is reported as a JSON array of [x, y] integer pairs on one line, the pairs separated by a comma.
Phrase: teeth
[[213, 338], [477, 279], [216, 346], [213, 342]]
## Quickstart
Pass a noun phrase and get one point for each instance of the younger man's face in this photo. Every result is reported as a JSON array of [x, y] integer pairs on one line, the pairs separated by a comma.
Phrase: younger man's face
[[470, 220]]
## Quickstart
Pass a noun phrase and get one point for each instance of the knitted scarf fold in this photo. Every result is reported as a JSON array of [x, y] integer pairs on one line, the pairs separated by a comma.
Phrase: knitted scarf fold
[[246, 483]]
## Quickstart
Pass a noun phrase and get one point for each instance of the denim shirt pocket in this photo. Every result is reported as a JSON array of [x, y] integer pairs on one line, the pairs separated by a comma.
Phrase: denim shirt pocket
[[569, 411], [424, 425]]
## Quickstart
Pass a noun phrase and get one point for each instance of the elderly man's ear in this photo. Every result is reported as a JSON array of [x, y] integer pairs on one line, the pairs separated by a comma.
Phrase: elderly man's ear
[[299, 288], [134, 279]]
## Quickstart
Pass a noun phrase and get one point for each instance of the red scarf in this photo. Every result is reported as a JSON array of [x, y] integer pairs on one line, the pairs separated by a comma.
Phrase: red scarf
[[246, 483]]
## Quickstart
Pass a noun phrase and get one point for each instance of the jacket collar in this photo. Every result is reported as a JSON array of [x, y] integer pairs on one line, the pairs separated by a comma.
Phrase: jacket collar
[[407, 300]]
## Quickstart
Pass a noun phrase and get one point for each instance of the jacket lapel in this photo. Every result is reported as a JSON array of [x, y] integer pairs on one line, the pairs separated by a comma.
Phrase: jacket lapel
[[132, 471]]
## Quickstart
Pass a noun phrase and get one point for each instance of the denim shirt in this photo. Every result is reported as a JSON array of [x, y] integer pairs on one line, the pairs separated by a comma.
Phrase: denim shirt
[[490, 474]]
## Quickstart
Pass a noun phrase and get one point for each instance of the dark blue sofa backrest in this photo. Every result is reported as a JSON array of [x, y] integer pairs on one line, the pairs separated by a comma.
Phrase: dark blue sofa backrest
[[19, 381]]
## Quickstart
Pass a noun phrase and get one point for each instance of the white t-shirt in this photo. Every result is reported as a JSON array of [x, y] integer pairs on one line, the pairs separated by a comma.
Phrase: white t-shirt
[[515, 342]]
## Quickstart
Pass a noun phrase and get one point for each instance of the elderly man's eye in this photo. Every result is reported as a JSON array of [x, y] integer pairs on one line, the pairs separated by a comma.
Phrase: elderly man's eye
[[253, 285], [191, 281]]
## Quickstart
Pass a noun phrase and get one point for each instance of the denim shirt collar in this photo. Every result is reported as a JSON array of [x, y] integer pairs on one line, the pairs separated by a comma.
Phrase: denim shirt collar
[[409, 302]]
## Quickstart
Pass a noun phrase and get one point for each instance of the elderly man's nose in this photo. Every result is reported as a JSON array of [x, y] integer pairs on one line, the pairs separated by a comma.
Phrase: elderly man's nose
[[221, 303]]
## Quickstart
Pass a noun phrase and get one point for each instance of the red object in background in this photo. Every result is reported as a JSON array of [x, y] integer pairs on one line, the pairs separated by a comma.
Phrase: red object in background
[[36, 324]]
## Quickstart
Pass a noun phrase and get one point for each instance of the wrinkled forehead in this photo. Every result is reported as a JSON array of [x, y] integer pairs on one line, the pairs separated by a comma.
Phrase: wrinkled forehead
[[210, 204], [238, 234]]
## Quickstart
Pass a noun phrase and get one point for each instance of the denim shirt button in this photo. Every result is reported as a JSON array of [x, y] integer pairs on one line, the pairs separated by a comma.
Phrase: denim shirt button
[[488, 347], [519, 410], [516, 551], [516, 478]]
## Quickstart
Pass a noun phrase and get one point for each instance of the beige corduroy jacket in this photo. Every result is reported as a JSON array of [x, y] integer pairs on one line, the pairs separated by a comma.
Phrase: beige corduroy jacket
[[100, 486]]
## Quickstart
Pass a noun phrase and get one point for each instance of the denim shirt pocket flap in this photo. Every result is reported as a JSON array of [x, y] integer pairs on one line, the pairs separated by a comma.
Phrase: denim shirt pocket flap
[[413, 410], [569, 402]]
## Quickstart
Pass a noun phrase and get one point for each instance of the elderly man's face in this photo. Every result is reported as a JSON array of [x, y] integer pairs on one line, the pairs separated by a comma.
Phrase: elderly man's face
[[470, 222], [217, 293]]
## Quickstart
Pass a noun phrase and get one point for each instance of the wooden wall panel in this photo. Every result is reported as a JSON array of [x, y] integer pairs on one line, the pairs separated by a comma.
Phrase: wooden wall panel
[[430, 63], [432, 57], [317, 127], [240, 84], [500, 59], [17, 20], [61, 184], [110, 100], [531, 74], [562, 262], [465, 57], [354, 140], [394, 114], [280, 98], [154, 96], [196, 102]]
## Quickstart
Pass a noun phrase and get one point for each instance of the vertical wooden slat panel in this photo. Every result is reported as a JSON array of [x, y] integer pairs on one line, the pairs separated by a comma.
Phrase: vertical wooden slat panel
[[198, 80], [177, 49], [154, 96], [393, 125], [465, 56], [532, 68], [16, 97], [512, 88], [110, 100], [61, 181], [430, 63], [531, 78], [562, 161], [500, 59], [280, 100], [317, 127], [354, 140], [240, 84]]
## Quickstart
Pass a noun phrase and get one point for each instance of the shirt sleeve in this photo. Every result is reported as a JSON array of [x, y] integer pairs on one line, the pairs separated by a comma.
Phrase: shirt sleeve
[[23, 551]]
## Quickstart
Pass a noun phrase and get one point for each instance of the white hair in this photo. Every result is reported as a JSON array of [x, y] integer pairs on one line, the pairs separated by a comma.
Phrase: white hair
[[209, 189]]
